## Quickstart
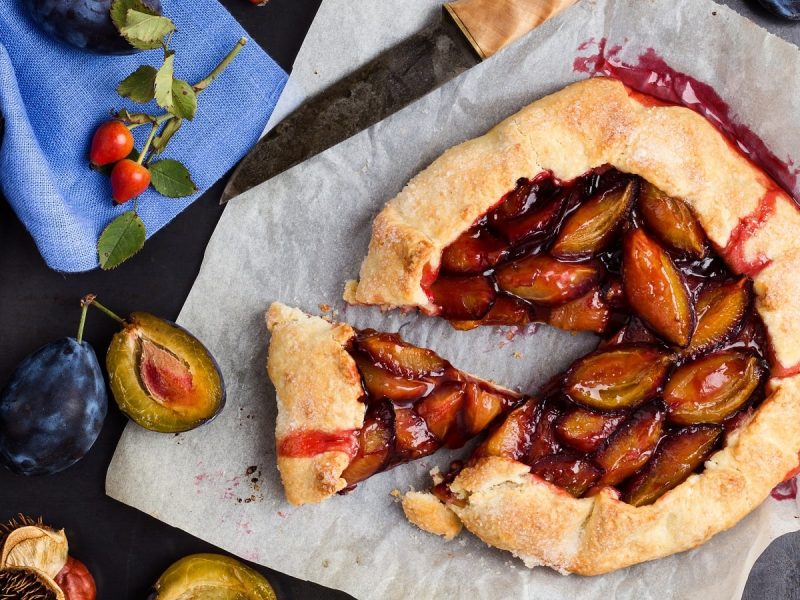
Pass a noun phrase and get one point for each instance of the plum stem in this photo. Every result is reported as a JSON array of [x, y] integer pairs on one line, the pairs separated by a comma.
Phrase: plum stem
[[91, 299], [82, 323], [209, 79]]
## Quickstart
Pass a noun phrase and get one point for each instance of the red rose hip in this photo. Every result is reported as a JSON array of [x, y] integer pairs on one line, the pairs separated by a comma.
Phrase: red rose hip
[[128, 180], [112, 142]]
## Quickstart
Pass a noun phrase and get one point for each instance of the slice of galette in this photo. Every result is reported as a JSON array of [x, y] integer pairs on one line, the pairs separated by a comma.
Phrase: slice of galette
[[599, 209], [353, 403]]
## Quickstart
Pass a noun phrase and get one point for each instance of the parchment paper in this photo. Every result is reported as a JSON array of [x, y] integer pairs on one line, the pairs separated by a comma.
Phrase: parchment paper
[[298, 237]]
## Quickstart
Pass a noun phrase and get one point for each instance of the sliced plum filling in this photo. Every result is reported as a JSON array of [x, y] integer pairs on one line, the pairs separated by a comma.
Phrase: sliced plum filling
[[417, 402], [682, 356]]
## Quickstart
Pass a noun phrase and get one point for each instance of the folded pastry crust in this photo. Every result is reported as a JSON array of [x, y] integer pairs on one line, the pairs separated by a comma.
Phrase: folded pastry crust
[[750, 221], [318, 388], [588, 124]]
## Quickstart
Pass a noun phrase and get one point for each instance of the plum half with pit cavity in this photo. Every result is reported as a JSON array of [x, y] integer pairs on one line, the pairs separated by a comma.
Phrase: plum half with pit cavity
[[162, 376], [211, 576]]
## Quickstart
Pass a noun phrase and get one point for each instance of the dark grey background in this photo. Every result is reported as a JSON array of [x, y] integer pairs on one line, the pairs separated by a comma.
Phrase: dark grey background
[[125, 549]]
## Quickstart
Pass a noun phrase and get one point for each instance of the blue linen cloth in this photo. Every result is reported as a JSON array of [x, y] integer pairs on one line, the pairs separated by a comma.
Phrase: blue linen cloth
[[53, 96]]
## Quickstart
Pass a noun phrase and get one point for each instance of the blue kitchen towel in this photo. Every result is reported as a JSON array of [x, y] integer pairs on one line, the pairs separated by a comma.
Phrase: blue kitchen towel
[[53, 96]]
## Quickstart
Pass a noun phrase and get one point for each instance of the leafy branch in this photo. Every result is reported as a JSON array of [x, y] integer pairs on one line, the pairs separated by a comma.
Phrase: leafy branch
[[144, 29]]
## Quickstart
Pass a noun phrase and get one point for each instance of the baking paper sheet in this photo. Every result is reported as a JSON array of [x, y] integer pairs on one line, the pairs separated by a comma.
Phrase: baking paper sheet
[[298, 237]]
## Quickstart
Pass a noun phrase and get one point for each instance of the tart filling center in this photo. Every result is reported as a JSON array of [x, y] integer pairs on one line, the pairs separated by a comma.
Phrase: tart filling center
[[682, 356]]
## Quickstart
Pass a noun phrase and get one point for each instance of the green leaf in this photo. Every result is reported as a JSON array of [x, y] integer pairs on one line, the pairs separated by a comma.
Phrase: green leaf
[[162, 139], [139, 86], [120, 8], [120, 240], [163, 83], [172, 179], [144, 30], [184, 99]]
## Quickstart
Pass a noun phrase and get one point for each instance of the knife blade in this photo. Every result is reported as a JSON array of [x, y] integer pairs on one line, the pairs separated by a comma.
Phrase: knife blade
[[463, 34]]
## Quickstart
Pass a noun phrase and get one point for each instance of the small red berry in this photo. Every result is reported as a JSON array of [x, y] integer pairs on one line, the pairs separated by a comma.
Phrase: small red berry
[[128, 180], [112, 141]]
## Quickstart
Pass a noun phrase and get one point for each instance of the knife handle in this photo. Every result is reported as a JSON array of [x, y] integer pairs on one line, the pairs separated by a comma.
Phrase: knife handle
[[490, 25]]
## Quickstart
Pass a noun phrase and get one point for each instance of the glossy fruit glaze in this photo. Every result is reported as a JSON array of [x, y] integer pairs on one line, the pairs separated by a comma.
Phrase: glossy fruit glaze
[[416, 402], [660, 83], [682, 357]]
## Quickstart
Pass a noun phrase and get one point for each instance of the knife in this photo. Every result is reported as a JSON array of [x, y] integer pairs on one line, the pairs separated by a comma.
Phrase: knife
[[466, 32]]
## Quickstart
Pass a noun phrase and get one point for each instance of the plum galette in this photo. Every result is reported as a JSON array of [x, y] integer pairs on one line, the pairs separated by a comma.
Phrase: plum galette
[[593, 209]]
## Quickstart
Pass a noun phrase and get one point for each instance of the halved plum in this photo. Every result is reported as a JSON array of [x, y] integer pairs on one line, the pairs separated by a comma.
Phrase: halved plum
[[535, 225], [543, 440], [412, 438], [506, 310], [573, 473], [585, 430], [162, 377], [712, 388], [671, 221], [391, 352], [656, 289], [620, 377], [677, 457], [631, 446], [374, 445], [463, 298], [590, 228], [379, 383], [720, 308], [475, 251], [440, 409], [547, 281], [511, 438], [587, 313]]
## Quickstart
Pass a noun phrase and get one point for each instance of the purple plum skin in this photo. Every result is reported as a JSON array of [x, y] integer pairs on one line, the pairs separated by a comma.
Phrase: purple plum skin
[[85, 24], [52, 409], [788, 9]]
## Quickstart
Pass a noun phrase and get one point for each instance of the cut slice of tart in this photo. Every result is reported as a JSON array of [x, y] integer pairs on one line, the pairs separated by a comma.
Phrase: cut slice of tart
[[598, 209], [353, 403]]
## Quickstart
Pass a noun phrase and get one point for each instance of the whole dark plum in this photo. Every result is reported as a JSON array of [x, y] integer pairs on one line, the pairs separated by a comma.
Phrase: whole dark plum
[[788, 9], [85, 24], [52, 409]]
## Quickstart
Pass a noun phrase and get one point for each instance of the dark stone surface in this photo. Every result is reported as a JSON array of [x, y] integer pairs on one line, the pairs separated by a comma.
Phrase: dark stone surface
[[126, 549]]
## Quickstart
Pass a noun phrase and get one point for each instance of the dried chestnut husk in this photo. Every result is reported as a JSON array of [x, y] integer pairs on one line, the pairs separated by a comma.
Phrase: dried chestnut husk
[[23, 583], [25, 542]]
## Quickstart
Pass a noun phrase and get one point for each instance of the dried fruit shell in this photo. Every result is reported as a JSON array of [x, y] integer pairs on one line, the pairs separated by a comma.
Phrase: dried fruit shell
[[30, 543], [620, 377], [671, 221], [24, 583], [589, 229]]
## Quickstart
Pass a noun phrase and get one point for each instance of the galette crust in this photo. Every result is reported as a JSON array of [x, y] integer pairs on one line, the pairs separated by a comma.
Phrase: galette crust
[[594, 122], [509, 508], [588, 124], [317, 387]]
